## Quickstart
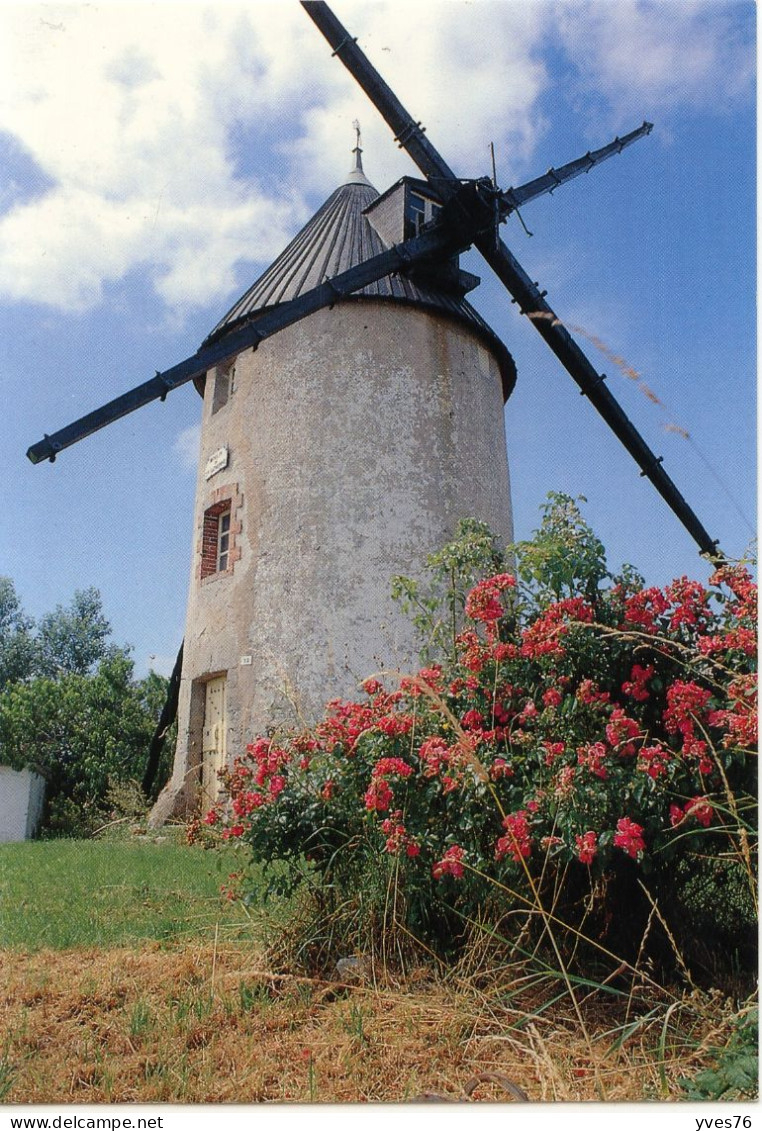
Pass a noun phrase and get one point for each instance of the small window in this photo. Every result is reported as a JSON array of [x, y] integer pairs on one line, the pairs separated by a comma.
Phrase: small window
[[224, 387], [218, 552], [416, 211], [218, 547], [419, 210], [223, 541]]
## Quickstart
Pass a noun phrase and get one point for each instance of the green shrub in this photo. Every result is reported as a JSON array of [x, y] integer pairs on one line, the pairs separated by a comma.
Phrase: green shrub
[[579, 753]]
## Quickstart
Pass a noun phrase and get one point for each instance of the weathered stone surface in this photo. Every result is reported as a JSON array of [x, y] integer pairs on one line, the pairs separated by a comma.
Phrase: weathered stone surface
[[357, 439]]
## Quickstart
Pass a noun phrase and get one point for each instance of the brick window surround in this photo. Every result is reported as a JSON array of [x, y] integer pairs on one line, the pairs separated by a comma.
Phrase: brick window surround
[[224, 500]]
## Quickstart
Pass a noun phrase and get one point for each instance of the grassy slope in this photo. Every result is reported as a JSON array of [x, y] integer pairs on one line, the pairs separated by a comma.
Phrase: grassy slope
[[67, 893]]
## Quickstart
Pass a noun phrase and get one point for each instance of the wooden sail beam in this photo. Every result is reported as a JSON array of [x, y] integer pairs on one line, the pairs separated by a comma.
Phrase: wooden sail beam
[[436, 242], [410, 135]]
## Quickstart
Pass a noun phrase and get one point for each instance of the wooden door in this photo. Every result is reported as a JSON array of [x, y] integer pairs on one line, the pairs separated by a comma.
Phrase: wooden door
[[214, 740]]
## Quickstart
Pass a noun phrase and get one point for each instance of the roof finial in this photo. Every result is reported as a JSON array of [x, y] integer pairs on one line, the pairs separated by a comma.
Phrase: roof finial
[[357, 174], [358, 146]]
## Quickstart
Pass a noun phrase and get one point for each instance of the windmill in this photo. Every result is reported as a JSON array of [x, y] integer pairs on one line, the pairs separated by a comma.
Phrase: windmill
[[421, 228]]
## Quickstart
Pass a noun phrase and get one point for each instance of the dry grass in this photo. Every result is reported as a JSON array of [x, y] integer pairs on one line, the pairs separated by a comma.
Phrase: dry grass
[[205, 1024]]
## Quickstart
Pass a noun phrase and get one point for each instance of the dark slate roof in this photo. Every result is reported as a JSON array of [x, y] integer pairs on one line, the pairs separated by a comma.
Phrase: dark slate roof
[[340, 236]]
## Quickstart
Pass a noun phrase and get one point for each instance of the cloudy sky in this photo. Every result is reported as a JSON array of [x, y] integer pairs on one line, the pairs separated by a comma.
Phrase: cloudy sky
[[156, 157]]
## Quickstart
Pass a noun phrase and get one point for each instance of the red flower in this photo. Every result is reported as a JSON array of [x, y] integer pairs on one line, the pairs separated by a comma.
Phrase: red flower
[[739, 639], [653, 760], [686, 704], [433, 753], [690, 600], [277, 785], [500, 769], [344, 723], [397, 835], [473, 655], [378, 796], [552, 697], [738, 580], [676, 815], [483, 602], [553, 750], [564, 783], [518, 842], [450, 864], [644, 608], [697, 748], [701, 811], [587, 847], [385, 767], [590, 694], [592, 758], [543, 637], [629, 837], [740, 725], [472, 720], [635, 687], [247, 802], [429, 677], [620, 732], [393, 725]]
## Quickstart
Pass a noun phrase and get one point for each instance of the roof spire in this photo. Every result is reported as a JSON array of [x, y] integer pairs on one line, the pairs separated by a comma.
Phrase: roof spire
[[356, 174]]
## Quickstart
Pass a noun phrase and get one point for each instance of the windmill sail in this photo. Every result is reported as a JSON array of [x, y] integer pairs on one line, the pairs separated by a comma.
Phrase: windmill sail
[[434, 243], [410, 136], [514, 198]]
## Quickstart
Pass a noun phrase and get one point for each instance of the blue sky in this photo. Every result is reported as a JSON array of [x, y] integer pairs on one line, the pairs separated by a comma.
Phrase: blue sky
[[155, 158]]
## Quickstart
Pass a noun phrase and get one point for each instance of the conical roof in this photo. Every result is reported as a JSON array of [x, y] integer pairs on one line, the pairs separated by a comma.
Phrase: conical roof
[[340, 236]]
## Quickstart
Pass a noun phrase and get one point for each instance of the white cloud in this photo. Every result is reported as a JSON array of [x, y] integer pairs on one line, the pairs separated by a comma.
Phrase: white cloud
[[137, 115], [661, 55], [187, 446], [472, 73], [128, 109]]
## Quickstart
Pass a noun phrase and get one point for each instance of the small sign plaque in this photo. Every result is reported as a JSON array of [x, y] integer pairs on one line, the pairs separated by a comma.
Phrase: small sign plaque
[[216, 462], [245, 661]]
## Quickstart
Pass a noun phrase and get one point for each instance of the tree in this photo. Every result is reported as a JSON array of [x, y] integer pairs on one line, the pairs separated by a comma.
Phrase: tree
[[564, 558], [73, 639], [70, 708], [18, 651], [82, 733]]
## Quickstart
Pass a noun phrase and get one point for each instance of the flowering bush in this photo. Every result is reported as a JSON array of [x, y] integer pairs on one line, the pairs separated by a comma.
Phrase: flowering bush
[[568, 742]]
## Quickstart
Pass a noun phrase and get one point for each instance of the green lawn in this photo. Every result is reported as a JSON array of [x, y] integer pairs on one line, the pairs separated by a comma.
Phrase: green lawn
[[68, 893]]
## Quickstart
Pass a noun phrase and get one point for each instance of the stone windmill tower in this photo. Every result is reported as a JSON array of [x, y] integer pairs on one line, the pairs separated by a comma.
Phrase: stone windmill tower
[[340, 453], [353, 412]]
